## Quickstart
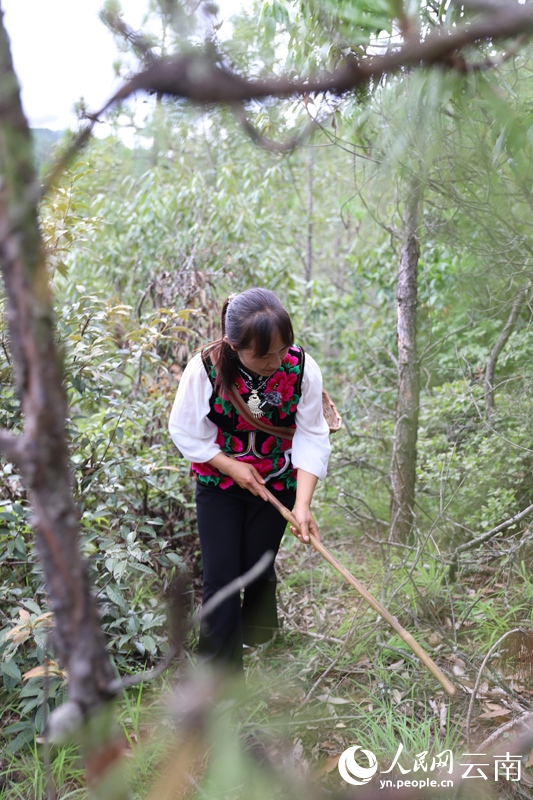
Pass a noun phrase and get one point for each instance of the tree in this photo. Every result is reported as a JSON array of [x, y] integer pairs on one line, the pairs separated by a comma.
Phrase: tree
[[403, 466]]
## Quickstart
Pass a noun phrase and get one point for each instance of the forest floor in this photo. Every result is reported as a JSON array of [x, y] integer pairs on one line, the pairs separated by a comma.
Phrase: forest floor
[[333, 677], [337, 676]]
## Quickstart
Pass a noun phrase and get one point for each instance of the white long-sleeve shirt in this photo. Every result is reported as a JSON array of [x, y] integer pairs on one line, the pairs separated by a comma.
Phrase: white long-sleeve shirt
[[194, 434]]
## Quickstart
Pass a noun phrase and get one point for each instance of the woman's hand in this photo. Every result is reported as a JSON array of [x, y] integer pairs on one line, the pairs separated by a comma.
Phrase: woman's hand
[[245, 475], [305, 486], [307, 523]]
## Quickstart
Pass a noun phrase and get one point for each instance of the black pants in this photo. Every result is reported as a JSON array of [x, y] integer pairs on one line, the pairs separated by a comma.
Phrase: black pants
[[235, 529]]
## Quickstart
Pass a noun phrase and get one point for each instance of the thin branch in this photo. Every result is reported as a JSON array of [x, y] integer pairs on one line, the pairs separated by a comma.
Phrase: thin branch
[[139, 43], [432, 345], [239, 583], [196, 77], [399, 651], [484, 422], [508, 328], [478, 680], [263, 141], [486, 536], [527, 717], [207, 608]]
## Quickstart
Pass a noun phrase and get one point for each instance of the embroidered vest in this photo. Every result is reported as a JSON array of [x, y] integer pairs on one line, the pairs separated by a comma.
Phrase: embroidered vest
[[270, 455]]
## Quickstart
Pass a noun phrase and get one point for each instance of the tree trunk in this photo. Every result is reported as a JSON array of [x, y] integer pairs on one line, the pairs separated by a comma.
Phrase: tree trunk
[[403, 466], [41, 453], [496, 350]]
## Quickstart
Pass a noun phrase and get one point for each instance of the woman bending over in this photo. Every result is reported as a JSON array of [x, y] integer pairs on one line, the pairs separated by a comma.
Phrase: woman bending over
[[233, 461]]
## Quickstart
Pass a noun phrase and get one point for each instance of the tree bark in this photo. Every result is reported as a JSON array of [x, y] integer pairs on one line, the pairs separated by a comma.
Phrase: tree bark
[[403, 465], [496, 350], [41, 452]]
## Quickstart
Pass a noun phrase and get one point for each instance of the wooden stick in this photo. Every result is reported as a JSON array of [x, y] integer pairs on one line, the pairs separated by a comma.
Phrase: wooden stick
[[376, 605]]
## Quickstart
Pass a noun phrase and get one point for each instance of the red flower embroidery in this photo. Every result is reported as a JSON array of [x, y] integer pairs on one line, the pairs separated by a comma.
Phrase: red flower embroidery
[[290, 361], [220, 438], [268, 445], [282, 382], [242, 425], [240, 384], [263, 466], [277, 486], [226, 481], [236, 445], [205, 469], [222, 406]]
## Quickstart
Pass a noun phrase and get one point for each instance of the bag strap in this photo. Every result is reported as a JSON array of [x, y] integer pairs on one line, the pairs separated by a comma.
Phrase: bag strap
[[241, 407]]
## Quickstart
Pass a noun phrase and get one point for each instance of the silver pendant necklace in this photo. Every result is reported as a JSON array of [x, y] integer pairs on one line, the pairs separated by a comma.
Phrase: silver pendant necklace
[[254, 401]]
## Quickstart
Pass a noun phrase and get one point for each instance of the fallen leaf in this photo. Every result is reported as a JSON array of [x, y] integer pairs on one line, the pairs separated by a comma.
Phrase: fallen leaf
[[328, 765], [491, 714], [329, 745], [529, 762], [396, 696], [435, 639], [397, 664], [336, 701]]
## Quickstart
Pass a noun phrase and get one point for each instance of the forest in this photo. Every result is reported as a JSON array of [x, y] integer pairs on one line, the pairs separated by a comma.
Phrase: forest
[[372, 164]]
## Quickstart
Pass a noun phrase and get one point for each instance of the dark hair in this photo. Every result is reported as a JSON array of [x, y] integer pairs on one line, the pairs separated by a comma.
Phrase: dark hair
[[250, 319]]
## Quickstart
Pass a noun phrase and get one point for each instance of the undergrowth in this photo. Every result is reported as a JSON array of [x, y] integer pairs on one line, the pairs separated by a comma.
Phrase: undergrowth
[[334, 676]]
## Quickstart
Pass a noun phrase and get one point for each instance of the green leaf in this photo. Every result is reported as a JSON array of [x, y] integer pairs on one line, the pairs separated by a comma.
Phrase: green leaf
[[19, 741], [176, 559], [41, 717], [149, 643], [11, 669], [140, 567], [32, 605], [116, 596]]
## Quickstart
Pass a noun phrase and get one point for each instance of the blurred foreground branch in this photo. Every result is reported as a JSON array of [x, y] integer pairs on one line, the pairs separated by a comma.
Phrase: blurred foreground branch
[[241, 582], [41, 452], [197, 77]]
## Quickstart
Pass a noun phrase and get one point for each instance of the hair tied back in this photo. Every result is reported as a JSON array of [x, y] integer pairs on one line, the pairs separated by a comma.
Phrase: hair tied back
[[257, 315]]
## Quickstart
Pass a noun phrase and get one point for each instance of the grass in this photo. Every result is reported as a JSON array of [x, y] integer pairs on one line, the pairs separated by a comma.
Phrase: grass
[[24, 776], [328, 680]]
